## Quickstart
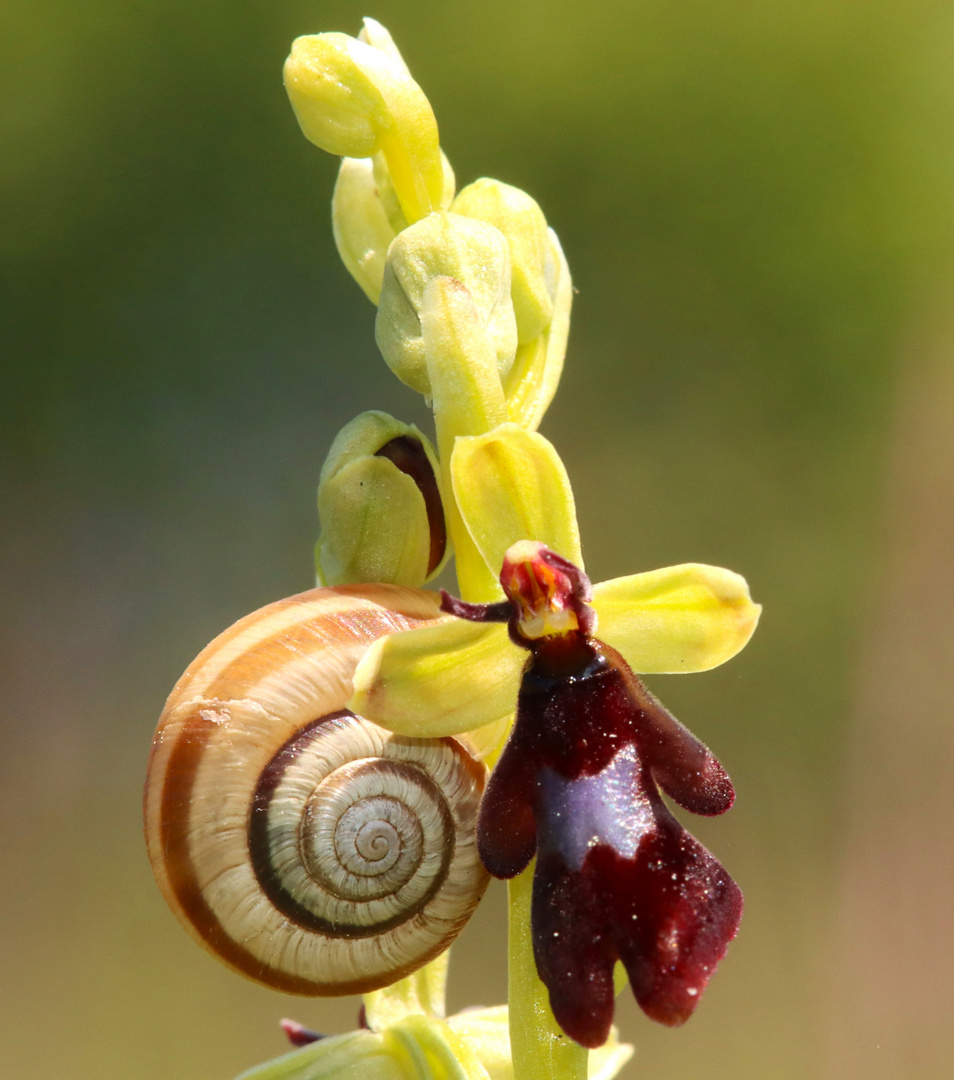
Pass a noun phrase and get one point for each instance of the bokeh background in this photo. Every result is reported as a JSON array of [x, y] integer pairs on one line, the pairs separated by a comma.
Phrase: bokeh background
[[757, 202]]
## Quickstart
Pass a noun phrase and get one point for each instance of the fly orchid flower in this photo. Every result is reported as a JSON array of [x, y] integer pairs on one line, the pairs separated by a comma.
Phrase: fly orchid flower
[[617, 877]]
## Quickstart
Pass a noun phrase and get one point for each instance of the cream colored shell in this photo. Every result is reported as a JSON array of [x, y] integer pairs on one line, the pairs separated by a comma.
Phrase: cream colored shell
[[306, 847]]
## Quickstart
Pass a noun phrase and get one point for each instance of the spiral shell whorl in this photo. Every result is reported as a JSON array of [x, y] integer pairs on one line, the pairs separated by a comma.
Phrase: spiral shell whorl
[[307, 847]]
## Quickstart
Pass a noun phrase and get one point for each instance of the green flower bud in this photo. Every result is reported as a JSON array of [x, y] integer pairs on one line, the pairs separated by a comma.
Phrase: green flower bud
[[380, 506], [445, 245], [535, 375], [366, 215], [389, 196], [354, 99], [521, 221], [362, 230]]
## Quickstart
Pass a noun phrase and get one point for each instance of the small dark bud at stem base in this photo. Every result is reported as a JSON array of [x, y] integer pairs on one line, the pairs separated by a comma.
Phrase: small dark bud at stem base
[[298, 1035]]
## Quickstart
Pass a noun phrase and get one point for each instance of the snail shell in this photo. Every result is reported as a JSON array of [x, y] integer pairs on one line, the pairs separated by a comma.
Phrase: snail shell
[[308, 848]]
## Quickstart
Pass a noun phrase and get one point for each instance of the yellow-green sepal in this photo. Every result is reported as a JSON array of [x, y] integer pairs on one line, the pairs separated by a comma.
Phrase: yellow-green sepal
[[607, 1060], [436, 1051], [374, 527], [683, 618], [488, 1032], [389, 195], [467, 399], [472, 1045], [510, 485], [423, 993], [366, 434], [439, 680], [487, 743], [533, 379], [374, 33]]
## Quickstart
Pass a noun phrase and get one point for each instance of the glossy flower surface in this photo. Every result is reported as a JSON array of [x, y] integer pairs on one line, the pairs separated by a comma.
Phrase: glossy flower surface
[[617, 877]]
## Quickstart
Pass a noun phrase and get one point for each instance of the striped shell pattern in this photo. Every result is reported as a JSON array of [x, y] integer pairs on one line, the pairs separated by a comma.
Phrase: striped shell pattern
[[308, 848]]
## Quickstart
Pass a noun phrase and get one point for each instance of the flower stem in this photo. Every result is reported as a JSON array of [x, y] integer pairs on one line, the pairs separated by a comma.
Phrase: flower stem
[[422, 992], [539, 1049], [468, 399]]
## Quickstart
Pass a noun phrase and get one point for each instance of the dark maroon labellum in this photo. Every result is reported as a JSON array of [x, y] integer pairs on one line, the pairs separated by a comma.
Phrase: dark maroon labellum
[[617, 877]]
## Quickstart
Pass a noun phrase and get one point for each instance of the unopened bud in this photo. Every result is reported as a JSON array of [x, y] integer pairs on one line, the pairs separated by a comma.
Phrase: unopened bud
[[535, 375], [446, 245], [380, 506], [523, 225], [354, 100], [362, 230], [366, 215]]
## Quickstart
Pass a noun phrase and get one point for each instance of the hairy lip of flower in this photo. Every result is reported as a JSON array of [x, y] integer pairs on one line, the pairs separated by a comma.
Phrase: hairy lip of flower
[[577, 785]]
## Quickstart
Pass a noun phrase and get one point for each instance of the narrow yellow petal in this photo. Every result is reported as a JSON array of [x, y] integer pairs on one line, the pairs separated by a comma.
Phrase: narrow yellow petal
[[682, 618], [439, 680], [510, 485]]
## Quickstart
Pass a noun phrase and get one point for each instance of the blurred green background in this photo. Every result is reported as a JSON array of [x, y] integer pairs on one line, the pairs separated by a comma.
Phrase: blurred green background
[[757, 202]]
